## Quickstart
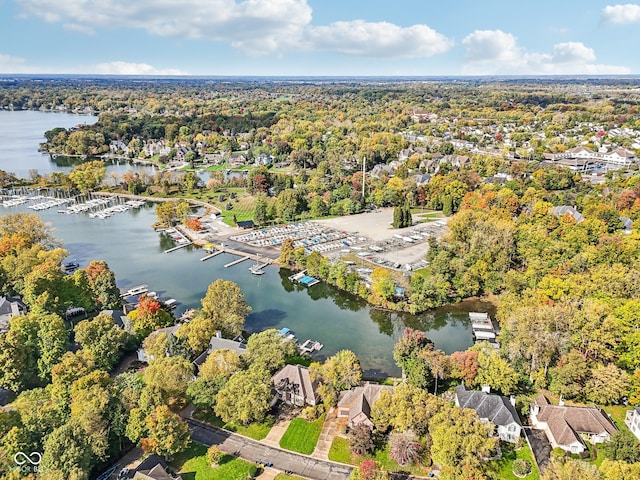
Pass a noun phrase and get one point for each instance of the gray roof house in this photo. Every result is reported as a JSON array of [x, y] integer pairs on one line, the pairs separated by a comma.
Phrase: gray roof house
[[119, 318], [293, 385], [355, 404], [154, 468], [497, 409], [143, 356], [562, 210], [9, 308], [219, 343]]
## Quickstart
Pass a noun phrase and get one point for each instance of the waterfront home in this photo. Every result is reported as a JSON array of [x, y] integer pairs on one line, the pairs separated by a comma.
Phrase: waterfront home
[[563, 210], [9, 308], [119, 318], [632, 421], [569, 427], [218, 343], [293, 386], [496, 409], [144, 356], [355, 404]]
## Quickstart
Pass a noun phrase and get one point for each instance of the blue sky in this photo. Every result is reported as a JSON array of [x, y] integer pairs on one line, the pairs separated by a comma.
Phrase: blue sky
[[319, 37]]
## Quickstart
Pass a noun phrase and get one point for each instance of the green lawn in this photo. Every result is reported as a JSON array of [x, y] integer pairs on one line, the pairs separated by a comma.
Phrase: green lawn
[[193, 465], [256, 430], [339, 452], [502, 467], [284, 476], [423, 272], [243, 207], [618, 414], [302, 436]]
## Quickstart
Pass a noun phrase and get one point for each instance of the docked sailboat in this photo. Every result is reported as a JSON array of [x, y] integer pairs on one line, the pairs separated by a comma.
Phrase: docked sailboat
[[257, 268]]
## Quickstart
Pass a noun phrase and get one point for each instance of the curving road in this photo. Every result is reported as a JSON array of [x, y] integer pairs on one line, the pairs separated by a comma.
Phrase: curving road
[[254, 451]]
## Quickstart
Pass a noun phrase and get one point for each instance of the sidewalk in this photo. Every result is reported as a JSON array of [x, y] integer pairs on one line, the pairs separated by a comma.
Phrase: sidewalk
[[276, 433], [268, 473]]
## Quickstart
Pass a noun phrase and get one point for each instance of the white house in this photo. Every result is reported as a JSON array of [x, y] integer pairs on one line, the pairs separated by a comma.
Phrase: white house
[[632, 421]]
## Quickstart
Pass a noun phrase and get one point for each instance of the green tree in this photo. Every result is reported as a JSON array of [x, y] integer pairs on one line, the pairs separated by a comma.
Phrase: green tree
[[460, 438], [623, 447], [104, 339], [382, 283], [87, 176], [220, 363], [339, 372], [607, 385], [260, 210], [407, 408], [102, 282], [494, 370], [167, 433], [66, 449], [203, 391], [269, 350], [170, 375], [246, 397]]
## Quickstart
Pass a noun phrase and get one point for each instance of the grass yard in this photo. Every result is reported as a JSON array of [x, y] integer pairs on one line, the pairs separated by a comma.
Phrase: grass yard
[[284, 476], [243, 207], [193, 465], [502, 467], [339, 452], [618, 414], [302, 436], [256, 430]]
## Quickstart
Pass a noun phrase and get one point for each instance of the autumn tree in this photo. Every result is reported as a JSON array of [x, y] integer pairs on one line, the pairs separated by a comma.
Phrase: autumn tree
[[404, 448], [246, 397], [167, 433], [361, 439], [339, 372], [104, 339], [269, 349], [88, 175], [170, 375]]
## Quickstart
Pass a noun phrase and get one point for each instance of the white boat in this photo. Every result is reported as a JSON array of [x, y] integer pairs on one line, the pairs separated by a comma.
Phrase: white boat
[[256, 269]]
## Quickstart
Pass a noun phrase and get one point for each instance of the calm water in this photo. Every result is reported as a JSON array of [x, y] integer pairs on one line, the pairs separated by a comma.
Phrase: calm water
[[135, 253]]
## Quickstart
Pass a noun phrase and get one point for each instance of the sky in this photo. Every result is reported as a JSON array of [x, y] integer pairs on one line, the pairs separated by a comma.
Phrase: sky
[[319, 37]]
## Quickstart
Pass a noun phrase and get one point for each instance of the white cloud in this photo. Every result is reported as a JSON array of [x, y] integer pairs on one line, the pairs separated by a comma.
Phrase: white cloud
[[377, 39], [255, 26], [621, 14], [127, 68], [11, 64], [496, 52]]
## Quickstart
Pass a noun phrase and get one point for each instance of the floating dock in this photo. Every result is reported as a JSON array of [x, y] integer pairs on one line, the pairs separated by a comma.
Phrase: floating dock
[[178, 247], [310, 346], [235, 262], [211, 255], [483, 328]]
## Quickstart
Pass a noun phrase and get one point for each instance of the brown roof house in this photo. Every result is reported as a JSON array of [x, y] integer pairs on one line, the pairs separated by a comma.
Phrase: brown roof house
[[497, 409], [293, 385], [569, 427], [355, 404]]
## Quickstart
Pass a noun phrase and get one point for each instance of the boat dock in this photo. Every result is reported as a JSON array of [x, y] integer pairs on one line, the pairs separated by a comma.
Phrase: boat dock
[[304, 279], [182, 245], [235, 262], [211, 255], [137, 290], [310, 346], [483, 328]]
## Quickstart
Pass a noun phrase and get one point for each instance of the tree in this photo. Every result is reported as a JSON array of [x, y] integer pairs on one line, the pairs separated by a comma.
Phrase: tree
[[382, 283], [220, 363], [369, 470], [104, 339], [607, 385], [623, 446], [170, 375], [404, 448], [495, 371], [223, 309], [214, 455], [66, 449], [167, 433], [103, 285], [568, 469], [260, 211], [149, 316], [156, 345], [269, 349], [203, 391], [339, 372], [286, 252], [87, 176], [460, 438], [361, 439], [569, 377], [246, 397]]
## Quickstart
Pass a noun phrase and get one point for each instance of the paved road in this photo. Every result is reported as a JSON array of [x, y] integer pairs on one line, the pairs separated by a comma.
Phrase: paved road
[[254, 451]]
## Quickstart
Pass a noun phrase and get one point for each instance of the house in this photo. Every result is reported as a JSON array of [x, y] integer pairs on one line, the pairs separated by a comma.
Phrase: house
[[143, 356], [293, 385], [355, 404], [119, 318], [422, 179], [627, 224], [154, 468], [563, 210], [9, 308], [496, 409], [632, 421], [218, 343], [569, 427]]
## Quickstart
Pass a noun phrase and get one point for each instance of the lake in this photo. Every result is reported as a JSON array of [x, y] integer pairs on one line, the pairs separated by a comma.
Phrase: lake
[[135, 252]]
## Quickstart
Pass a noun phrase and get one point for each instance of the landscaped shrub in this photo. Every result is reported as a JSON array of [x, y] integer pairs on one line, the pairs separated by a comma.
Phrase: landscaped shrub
[[214, 455], [521, 467], [404, 448]]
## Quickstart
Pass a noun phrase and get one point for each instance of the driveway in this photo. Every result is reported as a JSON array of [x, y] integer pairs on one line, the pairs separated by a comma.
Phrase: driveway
[[331, 428], [254, 451], [540, 446]]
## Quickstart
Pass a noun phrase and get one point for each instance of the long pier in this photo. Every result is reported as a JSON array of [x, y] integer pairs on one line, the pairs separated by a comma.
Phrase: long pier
[[235, 262], [211, 255], [178, 247]]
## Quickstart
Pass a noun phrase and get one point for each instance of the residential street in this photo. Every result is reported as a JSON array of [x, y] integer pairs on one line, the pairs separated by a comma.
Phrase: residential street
[[254, 451]]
